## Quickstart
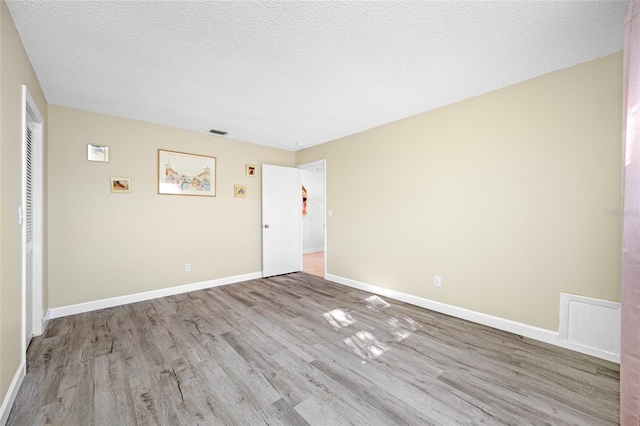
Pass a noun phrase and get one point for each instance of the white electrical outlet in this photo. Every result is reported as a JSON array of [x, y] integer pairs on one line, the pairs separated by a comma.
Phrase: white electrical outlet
[[437, 281], [187, 267]]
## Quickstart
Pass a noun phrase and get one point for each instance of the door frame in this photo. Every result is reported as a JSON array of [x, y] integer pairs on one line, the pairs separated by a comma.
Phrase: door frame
[[31, 114], [310, 166]]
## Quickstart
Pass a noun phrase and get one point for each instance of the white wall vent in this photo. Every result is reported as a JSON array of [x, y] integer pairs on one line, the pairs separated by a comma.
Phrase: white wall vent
[[592, 324]]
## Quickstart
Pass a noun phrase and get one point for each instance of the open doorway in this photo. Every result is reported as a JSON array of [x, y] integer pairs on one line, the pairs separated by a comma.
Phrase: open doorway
[[313, 218]]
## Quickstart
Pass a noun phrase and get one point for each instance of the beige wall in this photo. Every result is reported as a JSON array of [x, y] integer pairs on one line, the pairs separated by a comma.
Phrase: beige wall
[[104, 245], [15, 70], [503, 196]]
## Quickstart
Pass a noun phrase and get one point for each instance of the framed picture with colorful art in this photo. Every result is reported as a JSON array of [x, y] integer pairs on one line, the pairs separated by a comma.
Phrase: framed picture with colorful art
[[180, 173], [98, 153], [240, 191], [120, 184]]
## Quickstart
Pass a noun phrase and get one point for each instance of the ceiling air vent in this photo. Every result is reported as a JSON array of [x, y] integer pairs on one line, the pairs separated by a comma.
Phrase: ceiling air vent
[[218, 132]]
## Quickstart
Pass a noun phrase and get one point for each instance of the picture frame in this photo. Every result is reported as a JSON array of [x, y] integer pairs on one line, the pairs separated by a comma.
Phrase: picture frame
[[251, 170], [98, 153], [120, 184], [240, 191], [181, 173]]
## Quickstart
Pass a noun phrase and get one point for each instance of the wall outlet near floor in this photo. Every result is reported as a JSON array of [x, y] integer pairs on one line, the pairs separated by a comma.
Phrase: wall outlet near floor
[[187, 267], [437, 281]]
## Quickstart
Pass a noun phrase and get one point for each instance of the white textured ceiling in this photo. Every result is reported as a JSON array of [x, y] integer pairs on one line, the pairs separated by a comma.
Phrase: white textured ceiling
[[283, 73]]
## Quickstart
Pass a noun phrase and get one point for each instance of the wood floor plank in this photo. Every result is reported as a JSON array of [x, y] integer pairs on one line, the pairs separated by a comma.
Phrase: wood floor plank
[[227, 398], [112, 401], [251, 382], [291, 387], [349, 403], [172, 395], [296, 350], [146, 394], [392, 408], [316, 412], [280, 413]]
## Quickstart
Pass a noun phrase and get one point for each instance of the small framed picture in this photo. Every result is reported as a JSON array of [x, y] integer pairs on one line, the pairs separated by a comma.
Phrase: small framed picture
[[98, 153], [240, 191], [251, 170], [121, 184]]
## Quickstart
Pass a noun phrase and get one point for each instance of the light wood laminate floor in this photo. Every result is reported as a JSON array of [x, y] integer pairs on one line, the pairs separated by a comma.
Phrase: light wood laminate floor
[[296, 350], [313, 263]]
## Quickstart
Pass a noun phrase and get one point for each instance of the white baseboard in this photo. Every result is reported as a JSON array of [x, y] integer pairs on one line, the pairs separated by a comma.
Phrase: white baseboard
[[312, 250], [147, 295], [45, 320], [518, 328], [12, 392]]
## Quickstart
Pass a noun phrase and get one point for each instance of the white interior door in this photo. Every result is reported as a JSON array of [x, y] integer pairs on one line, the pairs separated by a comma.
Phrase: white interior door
[[281, 220]]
